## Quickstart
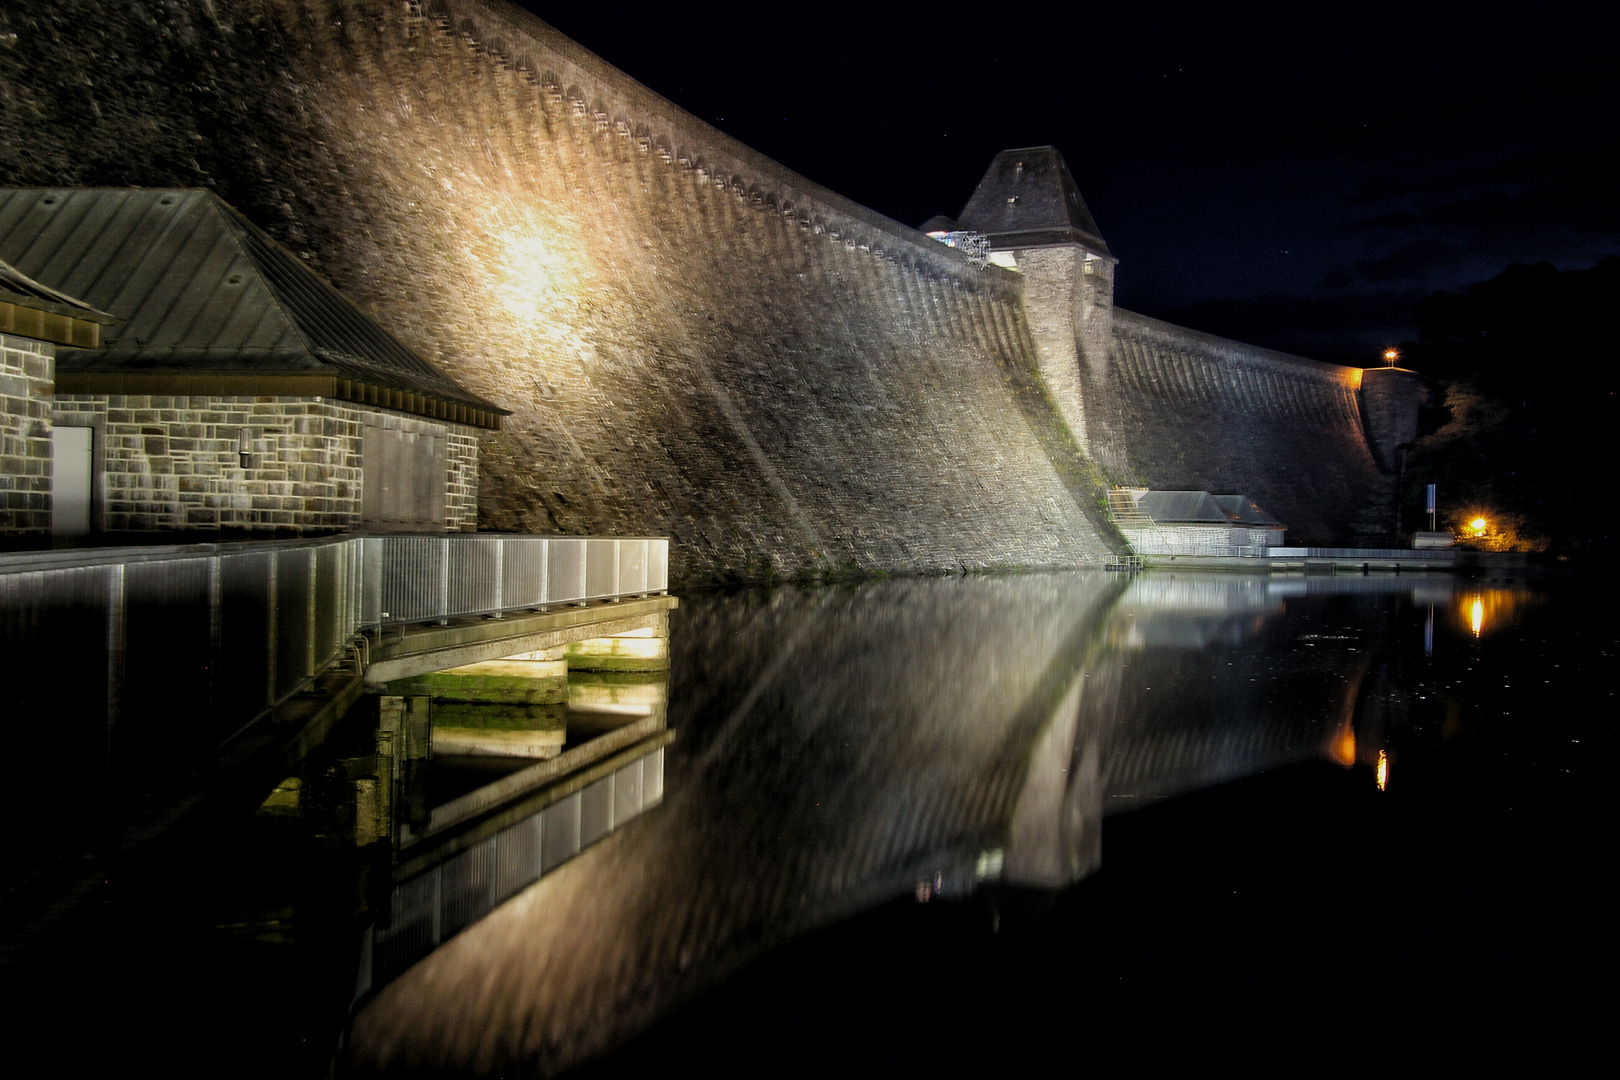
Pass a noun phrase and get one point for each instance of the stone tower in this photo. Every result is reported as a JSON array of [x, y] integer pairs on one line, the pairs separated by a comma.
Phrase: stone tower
[[1030, 208]]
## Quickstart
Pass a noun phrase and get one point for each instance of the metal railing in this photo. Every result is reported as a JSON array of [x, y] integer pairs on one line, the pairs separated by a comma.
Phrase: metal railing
[[1420, 555], [145, 652]]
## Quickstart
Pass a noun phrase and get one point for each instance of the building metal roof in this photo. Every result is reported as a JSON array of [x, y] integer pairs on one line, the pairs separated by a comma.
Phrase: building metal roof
[[1181, 508], [1028, 198], [29, 309], [202, 291], [1242, 510], [1202, 508]]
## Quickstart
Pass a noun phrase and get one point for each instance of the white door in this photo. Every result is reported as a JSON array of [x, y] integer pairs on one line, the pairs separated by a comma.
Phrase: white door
[[70, 481]]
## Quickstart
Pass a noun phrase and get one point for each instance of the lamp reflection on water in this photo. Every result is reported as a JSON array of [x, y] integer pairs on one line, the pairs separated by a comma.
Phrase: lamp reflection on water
[[1383, 770], [1343, 747], [1486, 610]]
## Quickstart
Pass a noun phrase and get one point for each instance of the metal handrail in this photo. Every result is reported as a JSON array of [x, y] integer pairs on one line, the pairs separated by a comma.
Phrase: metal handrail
[[218, 633]]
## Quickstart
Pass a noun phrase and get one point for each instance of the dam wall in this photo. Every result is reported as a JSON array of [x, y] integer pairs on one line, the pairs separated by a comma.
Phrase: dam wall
[[1179, 409], [694, 341]]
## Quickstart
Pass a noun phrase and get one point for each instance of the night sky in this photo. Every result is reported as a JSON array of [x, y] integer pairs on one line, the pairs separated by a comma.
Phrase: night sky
[[1296, 180]]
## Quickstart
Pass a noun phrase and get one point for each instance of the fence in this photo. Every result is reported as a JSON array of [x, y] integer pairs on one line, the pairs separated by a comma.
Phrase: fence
[[138, 653]]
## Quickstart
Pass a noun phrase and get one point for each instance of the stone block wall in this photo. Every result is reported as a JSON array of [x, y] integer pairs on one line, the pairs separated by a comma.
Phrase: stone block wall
[[1052, 304], [694, 341], [176, 463], [26, 384], [1199, 412], [1389, 405]]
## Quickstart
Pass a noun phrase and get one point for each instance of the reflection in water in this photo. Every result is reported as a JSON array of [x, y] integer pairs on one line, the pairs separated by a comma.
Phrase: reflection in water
[[843, 747], [1383, 770]]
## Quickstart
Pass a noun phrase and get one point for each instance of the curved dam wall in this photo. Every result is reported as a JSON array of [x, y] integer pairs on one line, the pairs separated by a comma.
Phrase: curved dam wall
[[694, 341], [1179, 409]]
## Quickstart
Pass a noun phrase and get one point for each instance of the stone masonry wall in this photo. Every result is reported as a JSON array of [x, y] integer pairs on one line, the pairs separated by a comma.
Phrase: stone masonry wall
[[1069, 300], [695, 342], [26, 384], [1204, 413], [171, 463], [1052, 304], [1389, 406]]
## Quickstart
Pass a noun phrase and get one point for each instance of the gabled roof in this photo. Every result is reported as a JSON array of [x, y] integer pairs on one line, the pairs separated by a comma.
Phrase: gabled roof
[[29, 309], [1028, 198], [939, 223], [1181, 507], [1242, 510], [1202, 508], [202, 291]]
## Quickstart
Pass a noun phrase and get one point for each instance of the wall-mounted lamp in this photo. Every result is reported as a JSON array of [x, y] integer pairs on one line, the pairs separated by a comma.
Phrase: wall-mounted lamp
[[244, 447]]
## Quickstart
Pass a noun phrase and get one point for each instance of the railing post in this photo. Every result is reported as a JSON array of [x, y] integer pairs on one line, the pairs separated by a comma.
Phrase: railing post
[[545, 575], [444, 581], [500, 577], [270, 630], [311, 630], [115, 653], [216, 644]]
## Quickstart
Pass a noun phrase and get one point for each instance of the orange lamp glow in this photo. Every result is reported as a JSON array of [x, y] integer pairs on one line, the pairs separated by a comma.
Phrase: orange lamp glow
[[1392, 355], [1383, 770]]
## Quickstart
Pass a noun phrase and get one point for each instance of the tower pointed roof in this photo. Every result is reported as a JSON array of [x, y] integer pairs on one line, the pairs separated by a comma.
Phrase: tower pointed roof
[[1028, 198]]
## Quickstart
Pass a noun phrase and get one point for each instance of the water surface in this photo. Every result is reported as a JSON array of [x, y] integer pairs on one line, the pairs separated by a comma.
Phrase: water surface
[[954, 820]]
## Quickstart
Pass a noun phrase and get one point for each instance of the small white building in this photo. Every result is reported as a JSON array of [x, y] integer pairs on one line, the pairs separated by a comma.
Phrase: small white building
[[1193, 523]]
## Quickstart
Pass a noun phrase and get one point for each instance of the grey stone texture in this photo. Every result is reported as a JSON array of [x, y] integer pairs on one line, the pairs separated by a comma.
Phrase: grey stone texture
[[1389, 408], [694, 341], [175, 463], [26, 382], [1180, 409]]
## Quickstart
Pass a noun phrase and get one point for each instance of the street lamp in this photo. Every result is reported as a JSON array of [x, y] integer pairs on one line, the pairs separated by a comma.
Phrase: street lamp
[[1391, 355]]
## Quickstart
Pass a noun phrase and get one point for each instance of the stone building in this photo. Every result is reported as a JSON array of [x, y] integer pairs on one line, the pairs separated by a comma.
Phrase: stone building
[[1194, 523], [34, 321], [238, 393]]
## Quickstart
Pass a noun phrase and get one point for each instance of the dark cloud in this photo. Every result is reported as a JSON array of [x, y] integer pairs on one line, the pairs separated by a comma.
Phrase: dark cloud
[[1421, 260]]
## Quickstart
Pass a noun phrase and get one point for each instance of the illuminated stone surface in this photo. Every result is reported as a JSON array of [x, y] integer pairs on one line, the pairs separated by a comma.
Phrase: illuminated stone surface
[[694, 341]]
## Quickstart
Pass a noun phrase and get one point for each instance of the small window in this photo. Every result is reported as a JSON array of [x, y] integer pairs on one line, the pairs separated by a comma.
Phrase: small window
[[1012, 201]]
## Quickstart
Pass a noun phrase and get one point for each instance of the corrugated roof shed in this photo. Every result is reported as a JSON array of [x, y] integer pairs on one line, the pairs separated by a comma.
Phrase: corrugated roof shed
[[1028, 198], [200, 290]]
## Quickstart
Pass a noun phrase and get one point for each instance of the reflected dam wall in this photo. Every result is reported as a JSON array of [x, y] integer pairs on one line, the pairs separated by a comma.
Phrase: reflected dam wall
[[694, 341]]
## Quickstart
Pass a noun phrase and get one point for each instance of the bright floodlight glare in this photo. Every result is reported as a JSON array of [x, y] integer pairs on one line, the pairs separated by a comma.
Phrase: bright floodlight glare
[[1478, 525], [1392, 355]]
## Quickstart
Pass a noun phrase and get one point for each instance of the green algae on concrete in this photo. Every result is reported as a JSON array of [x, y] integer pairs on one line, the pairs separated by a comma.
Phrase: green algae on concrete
[[639, 650], [505, 682], [496, 730]]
